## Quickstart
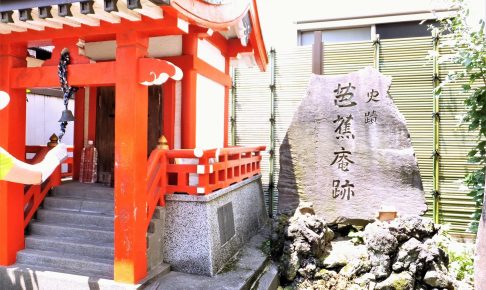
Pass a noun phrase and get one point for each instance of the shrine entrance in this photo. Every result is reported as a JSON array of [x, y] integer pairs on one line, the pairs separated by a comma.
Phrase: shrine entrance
[[105, 126]]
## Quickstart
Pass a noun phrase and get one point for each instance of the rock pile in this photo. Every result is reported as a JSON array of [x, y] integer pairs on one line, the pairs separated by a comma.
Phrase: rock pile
[[306, 240], [400, 255]]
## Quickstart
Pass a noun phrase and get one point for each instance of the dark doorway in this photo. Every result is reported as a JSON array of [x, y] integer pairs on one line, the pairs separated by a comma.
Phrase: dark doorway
[[105, 128], [155, 125], [105, 134]]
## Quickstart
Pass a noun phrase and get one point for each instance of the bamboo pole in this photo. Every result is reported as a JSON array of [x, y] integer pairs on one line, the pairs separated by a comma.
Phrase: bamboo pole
[[271, 183], [376, 52], [436, 130]]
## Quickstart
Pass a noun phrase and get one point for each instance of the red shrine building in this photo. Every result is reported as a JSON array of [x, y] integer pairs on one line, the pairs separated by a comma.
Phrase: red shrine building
[[145, 69]]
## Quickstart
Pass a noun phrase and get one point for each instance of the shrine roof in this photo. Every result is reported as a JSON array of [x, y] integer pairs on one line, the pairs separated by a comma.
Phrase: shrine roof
[[234, 19]]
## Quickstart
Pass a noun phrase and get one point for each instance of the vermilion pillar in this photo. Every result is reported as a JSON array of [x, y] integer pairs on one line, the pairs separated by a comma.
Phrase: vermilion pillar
[[131, 109], [188, 102], [93, 91], [79, 101], [12, 139]]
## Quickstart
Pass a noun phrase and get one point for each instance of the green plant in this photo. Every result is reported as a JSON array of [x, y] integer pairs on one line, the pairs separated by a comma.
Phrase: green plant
[[461, 264], [357, 236], [469, 50], [461, 256]]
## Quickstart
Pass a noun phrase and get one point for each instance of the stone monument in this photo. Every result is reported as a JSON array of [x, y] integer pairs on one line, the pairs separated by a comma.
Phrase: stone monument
[[348, 151]]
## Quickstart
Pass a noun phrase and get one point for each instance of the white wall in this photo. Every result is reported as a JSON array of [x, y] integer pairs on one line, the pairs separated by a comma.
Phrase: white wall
[[43, 114], [160, 46], [278, 17], [209, 113], [211, 54]]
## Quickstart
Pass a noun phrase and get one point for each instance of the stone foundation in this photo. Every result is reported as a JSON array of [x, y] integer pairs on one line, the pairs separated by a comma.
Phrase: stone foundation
[[203, 232]]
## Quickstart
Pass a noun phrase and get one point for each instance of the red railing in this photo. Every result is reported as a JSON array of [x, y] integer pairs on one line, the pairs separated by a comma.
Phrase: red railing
[[35, 194], [67, 165], [156, 180], [198, 171]]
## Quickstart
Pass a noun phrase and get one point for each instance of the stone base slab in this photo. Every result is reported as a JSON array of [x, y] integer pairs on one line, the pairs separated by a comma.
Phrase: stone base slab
[[203, 232]]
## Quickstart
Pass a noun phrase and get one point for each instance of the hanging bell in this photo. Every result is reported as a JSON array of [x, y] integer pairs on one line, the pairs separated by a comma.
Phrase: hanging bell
[[67, 116]]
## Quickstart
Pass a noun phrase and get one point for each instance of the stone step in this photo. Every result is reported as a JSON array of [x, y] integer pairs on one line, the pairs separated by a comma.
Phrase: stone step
[[66, 262], [75, 218], [269, 280], [81, 205], [20, 276], [84, 191], [73, 246], [65, 230]]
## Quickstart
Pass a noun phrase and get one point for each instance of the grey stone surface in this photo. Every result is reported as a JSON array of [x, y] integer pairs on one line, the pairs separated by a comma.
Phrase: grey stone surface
[[67, 262], [155, 239], [480, 259], [397, 281], [307, 241], [349, 172], [77, 204], [22, 277], [71, 240], [74, 246], [402, 254], [63, 230], [438, 279], [72, 232], [84, 191], [242, 273], [270, 279], [192, 242]]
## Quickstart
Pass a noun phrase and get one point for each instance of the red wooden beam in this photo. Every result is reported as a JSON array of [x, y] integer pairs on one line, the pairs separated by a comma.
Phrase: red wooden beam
[[211, 72], [188, 62], [152, 67], [215, 38], [102, 74], [235, 47], [12, 139], [106, 31], [188, 100], [131, 109]]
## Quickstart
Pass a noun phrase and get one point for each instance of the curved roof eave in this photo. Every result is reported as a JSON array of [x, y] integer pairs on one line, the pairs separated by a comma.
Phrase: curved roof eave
[[220, 17]]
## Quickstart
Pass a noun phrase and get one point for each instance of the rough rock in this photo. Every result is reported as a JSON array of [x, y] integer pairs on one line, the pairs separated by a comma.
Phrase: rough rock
[[347, 148], [407, 255], [438, 279], [379, 239], [397, 255], [342, 252], [413, 226], [380, 265], [356, 266], [397, 281], [307, 240]]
